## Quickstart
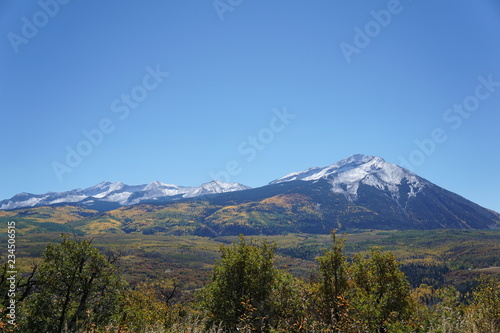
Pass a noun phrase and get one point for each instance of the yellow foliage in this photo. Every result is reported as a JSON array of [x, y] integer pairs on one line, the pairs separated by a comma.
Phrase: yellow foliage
[[287, 200]]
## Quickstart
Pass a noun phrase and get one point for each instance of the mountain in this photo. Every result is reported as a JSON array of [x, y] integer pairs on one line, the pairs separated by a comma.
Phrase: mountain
[[110, 195], [387, 195], [346, 176], [359, 192]]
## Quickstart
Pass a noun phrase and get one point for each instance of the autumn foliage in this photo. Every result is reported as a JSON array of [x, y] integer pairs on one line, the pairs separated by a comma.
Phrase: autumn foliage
[[76, 288]]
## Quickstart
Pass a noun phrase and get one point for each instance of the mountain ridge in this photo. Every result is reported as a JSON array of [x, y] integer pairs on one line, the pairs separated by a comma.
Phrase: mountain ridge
[[117, 192], [359, 192]]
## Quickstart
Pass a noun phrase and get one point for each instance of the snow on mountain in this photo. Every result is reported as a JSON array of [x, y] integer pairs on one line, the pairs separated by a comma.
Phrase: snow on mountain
[[117, 192], [359, 192], [216, 186], [28, 200], [346, 176], [102, 189]]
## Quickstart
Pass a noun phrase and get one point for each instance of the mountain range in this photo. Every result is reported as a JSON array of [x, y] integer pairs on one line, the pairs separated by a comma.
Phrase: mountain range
[[359, 192], [116, 194]]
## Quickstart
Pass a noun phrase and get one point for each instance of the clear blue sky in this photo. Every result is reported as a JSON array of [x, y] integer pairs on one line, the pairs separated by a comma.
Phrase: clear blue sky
[[367, 77]]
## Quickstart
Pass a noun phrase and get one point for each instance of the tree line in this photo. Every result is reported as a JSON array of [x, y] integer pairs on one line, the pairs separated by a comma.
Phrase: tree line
[[76, 288]]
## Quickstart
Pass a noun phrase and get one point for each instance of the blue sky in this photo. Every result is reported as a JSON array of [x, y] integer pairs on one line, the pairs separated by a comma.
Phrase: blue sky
[[180, 91]]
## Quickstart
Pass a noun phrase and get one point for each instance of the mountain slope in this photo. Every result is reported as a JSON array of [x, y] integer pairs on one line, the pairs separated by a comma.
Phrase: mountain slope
[[398, 196], [296, 206], [359, 192]]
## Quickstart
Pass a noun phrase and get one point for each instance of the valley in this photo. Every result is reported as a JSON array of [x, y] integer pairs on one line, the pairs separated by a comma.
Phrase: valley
[[459, 255]]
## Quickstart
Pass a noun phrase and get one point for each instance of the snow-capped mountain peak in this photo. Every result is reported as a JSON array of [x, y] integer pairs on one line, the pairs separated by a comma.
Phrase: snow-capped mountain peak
[[102, 189], [345, 176], [219, 187], [216, 186], [119, 193], [159, 186]]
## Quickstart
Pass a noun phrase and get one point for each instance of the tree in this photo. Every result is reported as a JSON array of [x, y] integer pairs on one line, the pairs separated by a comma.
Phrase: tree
[[76, 288], [291, 303], [241, 288], [382, 292], [485, 307], [147, 307], [333, 285], [19, 283]]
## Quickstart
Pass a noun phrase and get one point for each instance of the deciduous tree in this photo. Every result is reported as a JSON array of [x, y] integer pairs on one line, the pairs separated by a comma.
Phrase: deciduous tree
[[382, 292], [334, 285], [77, 288], [242, 283]]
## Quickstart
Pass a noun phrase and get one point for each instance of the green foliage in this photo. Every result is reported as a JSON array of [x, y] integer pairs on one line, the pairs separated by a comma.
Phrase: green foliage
[[382, 292], [425, 273], [334, 284], [148, 307], [76, 288], [242, 282], [291, 302], [246, 292], [441, 310], [345, 293], [486, 305], [369, 294]]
